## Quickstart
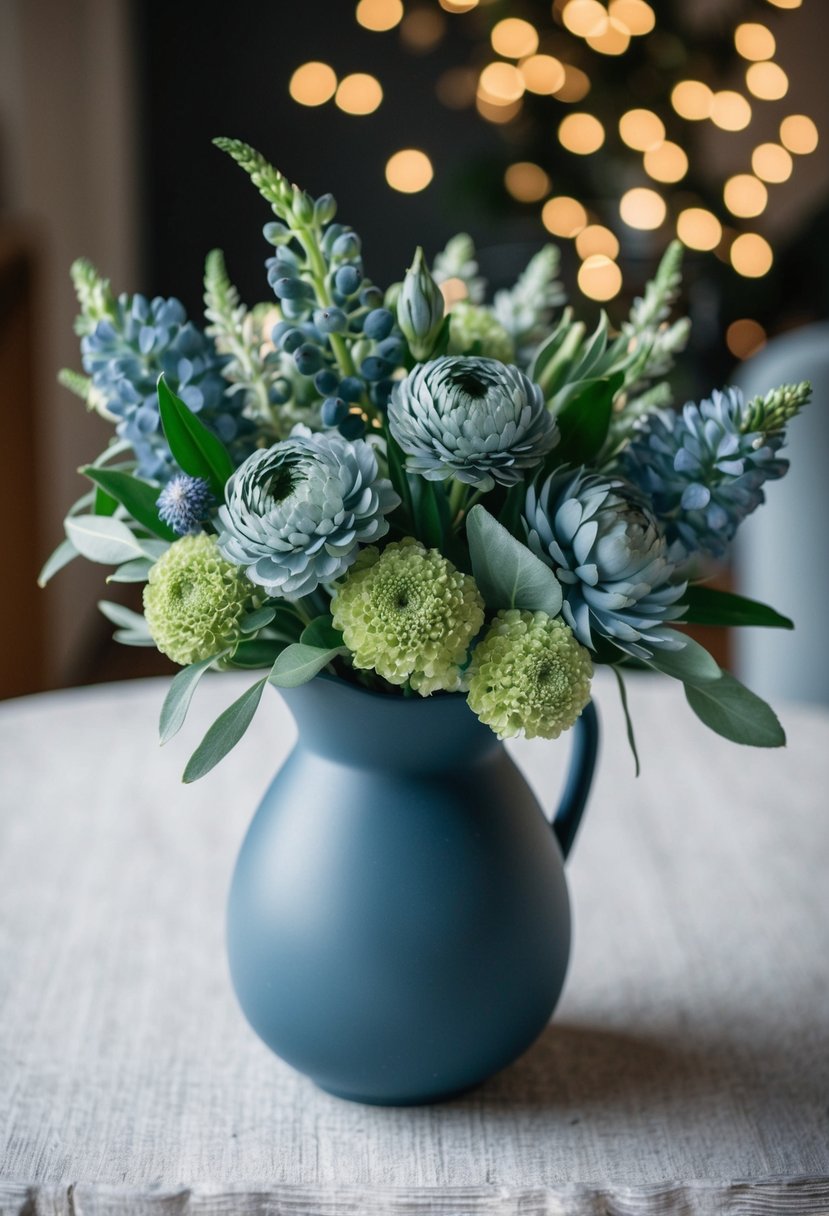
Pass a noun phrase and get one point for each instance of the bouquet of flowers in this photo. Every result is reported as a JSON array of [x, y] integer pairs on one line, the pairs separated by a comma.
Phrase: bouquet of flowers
[[414, 490]]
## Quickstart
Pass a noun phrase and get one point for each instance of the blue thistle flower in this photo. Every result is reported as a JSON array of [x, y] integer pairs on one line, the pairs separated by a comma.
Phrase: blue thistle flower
[[184, 502]]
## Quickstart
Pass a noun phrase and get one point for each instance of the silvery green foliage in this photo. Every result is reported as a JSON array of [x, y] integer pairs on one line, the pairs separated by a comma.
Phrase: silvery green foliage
[[526, 310], [703, 471], [458, 261], [420, 308], [477, 420], [296, 513], [610, 556]]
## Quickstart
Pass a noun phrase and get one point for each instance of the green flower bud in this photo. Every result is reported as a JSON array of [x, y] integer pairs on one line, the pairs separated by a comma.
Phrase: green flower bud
[[302, 206], [420, 308], [325, 208]]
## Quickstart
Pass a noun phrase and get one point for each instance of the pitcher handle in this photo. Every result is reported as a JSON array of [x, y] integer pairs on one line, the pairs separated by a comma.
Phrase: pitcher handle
[[579, 778]]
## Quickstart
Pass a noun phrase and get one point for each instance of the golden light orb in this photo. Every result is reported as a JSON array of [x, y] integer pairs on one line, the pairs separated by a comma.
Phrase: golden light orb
[[596, 239], [666, 163], [379, 15], [745, 195], [501, 84], [497, 113], [614, 40], [514, 38], [786, 3], [754, 41], [453, 291], [526, 181], [313, 84], [543, 74], [563, 216], [409, 171], [771, 163], [636, 16], [581, 133], [642, 208], [458, 6], [359, 94], [642, 130], [422, 29], [799, 134], [730, 111], [599, 277], [576, 84], [698, 228], [751, 255], [692, 100], [767, 81], [585, 18], [745, 337]]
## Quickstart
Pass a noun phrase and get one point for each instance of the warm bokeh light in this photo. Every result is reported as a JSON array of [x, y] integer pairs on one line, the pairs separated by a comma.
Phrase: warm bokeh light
[[745, 337], [514, 38], [698, 228], [641, 129], [576, 84], [581, 133], [585, 18], [458, 6], [379, 15], [666, 163], [596, 239], [642, 208], [786, 3], [614, 40], [500, 84], [453, 291], [497, 112], [767, 81], [313, 84], [730, 111], [409, 171], [456, 87], [527, 182], [422, 29], [771, 163], [563, 216], [692, 100], [359, 94], [543, 74], [599, 278], [799, 134], [754, 41], [636, 16], [751, 255], [745, 195]]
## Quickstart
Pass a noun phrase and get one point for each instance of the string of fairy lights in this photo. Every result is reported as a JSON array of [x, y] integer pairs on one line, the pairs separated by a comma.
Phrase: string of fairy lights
[[516, 62]]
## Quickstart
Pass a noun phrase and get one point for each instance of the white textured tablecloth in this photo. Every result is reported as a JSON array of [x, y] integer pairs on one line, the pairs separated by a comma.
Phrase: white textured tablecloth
[[686, 1070]]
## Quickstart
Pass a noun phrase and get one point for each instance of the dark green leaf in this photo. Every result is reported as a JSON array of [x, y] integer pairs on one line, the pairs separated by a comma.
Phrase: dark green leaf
[[428, 526], [510, 513], [103, 503], [300, 663], [692, 663], [254, 621], [139, 498], [258, 652], [629, 724], [195, 449], [584, 419], [507, 573], [225, 733], [736, 713], [397, 470], [179, 696], [322, 634], [707, 606]]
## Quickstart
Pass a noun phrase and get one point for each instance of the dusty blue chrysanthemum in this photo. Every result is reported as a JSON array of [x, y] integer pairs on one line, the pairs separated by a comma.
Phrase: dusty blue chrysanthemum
[[703, 471], [296, 513], [477, 420], [184, 503], [610, 556]]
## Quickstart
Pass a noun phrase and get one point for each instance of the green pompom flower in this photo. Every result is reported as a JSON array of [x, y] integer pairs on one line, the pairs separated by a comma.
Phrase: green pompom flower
[[194, 600], [410, 615], [474, 330], [529, 674]]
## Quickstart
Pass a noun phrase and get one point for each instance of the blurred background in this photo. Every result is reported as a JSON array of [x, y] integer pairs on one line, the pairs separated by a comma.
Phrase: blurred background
[[609, 127]]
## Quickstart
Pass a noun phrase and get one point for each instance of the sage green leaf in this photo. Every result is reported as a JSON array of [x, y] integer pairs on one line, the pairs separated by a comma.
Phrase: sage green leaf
[[139, 498], [322, 634], [736, 713], [257, 620], [507, 573], [105, 539], [62, 556], [195, 449], [225, 733], [299, 663], [707, 606], [179, 695], [135, 571], [127, 638], [628, 722], [124, 617], [692, 664]]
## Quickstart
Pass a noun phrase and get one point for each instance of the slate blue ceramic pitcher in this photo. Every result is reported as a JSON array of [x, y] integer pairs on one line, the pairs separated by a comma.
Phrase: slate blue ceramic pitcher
[[399, 924]]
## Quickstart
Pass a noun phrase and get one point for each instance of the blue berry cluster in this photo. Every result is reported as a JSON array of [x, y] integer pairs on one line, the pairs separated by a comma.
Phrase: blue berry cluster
[[356, 316]]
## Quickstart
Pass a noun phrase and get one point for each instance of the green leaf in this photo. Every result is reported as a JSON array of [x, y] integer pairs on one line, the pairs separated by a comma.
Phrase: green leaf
[[179, 695], [736, 713], [135, 571], [428, 525], [127, 638], [397, 470], [692, 664], [322, 634], [584, 418], [124, 617], [225, 733], [258, 652], [257, 620], [103, 503], [102, 538], [707, 606], [507, 573], [299, 663], [62, 556], [139, 498], [629, 724], [195, 449]]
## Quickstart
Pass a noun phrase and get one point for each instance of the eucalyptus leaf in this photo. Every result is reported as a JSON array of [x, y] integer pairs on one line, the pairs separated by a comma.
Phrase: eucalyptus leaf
[[137, 496], [124, 617], [135, 571], [179, 695], [257, 620], [707, 606], [225, 733], [129, 638], [62, 556], [507, 573], [195, 449], [322, 634], [299, 663], [104, 539], [628, 722], [692, 663], [736, 713]]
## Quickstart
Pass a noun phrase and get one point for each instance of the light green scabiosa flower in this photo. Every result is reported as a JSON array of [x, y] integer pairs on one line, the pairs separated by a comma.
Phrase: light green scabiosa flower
[[194, 600], [408, 614], [475, 330], [529, 674]]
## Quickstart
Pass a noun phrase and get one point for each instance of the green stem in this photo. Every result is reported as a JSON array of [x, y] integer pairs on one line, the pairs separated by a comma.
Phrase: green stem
[[316, 264], [457, 497]]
